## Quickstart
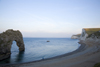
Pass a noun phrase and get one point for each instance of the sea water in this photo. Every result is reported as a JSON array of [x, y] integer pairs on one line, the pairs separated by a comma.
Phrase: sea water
[[39, 49]]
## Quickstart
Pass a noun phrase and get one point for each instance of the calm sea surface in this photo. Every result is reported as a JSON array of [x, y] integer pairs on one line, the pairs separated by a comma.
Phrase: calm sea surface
[[39, 48]]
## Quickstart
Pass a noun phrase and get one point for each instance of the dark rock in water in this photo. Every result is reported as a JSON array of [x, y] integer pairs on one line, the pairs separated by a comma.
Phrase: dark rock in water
[[48, 41], [6, 39]]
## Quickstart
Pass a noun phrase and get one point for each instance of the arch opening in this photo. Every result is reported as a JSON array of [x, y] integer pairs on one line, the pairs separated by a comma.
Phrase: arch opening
[[14, 47], [16, 54]]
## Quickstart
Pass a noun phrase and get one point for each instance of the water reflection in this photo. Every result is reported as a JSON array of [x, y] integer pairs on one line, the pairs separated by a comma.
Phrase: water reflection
[[19, 56]]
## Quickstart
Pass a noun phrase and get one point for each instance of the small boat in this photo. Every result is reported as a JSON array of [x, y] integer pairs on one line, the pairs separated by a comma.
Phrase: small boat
[[48, 41]]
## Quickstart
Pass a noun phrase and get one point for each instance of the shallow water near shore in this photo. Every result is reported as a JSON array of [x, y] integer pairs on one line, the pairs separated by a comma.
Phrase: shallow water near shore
[[39, 49]]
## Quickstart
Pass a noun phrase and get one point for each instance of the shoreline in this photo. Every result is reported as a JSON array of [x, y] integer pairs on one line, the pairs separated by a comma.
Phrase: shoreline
[[80, 48], [80, 56]]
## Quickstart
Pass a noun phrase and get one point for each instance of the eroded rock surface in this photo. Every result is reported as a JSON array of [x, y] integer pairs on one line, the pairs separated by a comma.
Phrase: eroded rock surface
[[92, 39], [6, 39]]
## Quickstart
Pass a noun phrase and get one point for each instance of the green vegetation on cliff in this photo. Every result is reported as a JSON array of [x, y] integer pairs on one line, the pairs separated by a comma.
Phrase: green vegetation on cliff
[[95, 34], [91, 30], [97, 65]]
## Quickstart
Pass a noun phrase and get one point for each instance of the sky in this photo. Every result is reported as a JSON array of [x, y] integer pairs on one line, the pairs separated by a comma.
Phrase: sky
[[49, 18]]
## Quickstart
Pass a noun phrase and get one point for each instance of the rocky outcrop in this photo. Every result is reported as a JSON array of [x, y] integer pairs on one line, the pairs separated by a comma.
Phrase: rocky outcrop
[[75, 36], [87, 32], [92, 39], [6, 39], [95, 35]]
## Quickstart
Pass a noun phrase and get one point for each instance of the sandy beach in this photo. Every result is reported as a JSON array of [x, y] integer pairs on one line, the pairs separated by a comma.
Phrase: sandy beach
[[84, 56]]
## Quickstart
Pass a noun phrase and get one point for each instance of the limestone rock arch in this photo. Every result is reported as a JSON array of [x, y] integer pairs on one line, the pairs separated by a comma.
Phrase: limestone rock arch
[[6, 39]]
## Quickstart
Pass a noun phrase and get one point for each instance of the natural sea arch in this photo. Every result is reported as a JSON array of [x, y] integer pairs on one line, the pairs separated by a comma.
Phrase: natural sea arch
[[16, 55], [6, 39]]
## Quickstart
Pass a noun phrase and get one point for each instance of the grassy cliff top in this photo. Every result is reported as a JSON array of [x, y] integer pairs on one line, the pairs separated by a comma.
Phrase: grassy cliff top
[[91, 30], [77, 35]]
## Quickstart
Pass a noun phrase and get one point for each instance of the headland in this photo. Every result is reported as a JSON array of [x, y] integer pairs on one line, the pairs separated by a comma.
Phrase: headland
[[87, 55]]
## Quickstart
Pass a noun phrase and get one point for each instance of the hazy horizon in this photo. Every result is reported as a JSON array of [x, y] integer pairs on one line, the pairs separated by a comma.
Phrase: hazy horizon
[[49, 18]]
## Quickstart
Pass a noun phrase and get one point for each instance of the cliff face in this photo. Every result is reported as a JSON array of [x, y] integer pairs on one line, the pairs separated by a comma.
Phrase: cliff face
[[87, 32], [6, 39], [92, 39], [83, 35], [75, 36]]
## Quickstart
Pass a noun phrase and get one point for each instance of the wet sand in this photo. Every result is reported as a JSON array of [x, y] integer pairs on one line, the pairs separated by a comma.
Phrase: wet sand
[[84, 56]]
